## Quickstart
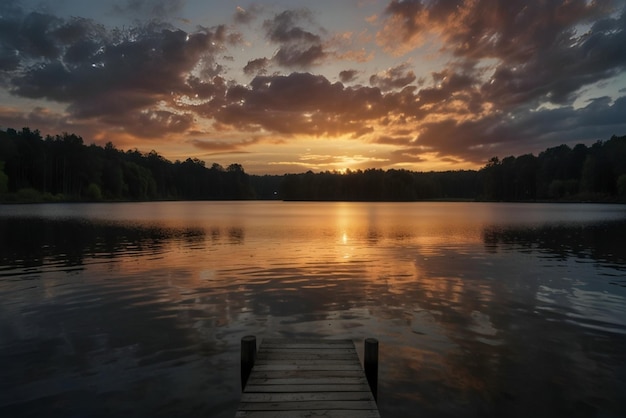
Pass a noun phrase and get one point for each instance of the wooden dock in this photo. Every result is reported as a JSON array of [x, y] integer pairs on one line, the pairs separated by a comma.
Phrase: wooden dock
[[306, 378]]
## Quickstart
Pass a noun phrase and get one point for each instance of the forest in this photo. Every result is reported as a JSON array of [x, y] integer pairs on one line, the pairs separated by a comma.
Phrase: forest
[[62, 168]]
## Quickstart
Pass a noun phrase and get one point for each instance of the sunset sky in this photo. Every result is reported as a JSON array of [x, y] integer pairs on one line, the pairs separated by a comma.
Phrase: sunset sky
[[290, 85]]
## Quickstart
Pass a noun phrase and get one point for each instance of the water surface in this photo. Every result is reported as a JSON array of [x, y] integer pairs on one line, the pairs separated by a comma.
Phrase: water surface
[[137, 309]]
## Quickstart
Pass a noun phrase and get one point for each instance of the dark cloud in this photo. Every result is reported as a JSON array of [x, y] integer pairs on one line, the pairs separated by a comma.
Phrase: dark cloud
[[520, 132], [487, 28], [31, 35], [301, 103], [347, 76], [154, 123], [560, 69], [120, 77], [284, 27], [409, 14], [393, 78], [451, 93], [516, 30], [35, 37], [298, 46], [9, 61], [540, 54], [152, 60], [204, 89], [37, 29], [299, 56], [257, 66], [137, 80], [10, 19]]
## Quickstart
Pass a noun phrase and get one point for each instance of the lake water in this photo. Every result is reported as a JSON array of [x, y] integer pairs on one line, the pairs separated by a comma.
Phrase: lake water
[[481, 309]]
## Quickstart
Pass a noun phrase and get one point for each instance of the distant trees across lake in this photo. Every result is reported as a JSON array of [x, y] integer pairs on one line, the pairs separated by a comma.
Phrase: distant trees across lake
[[63, 168], [596, 173]]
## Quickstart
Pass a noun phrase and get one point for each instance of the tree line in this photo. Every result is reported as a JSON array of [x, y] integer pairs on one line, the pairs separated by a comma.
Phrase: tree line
[[63, 168], [596, 173]]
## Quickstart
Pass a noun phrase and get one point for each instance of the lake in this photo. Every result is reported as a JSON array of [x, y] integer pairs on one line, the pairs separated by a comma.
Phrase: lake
[[481, 309]]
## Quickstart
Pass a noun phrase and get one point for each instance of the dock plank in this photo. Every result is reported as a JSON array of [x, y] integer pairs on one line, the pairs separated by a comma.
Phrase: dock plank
[[313, 366], [306, 373], [361, 387], [305, 396], [309, 414], [307, 378], [308, 405]]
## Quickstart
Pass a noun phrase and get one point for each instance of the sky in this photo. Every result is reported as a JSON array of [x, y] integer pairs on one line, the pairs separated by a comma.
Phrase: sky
[[291, 86]]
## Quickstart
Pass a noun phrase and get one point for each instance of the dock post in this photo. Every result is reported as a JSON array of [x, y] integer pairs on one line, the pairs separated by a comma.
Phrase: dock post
[[370, 364], [248, 357]]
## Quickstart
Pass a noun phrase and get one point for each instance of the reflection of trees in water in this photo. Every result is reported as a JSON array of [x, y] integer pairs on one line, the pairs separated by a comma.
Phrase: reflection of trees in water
[[102, 340], [496, 348], [33, 242], [108, 347], [577, 366], [602, 242], [236, 235], [534, 364]]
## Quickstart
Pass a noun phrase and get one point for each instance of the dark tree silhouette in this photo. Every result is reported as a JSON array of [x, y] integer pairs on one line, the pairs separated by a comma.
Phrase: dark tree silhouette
[[64, 168]]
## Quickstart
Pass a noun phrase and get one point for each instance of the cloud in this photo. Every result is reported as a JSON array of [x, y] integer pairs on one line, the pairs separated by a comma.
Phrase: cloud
[[223, 147], [301, 103], [405, 26], [521, 132], [28, 36], [539, 54], [256, 66], [152, 123], [538, 51], [284, 27], [298, 47], [393, 78], [484, 28], [408, 155], [558, 70], [43, 119], [150, 60], [302, 44], [299, 56], [134, 78], [347, 76]]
